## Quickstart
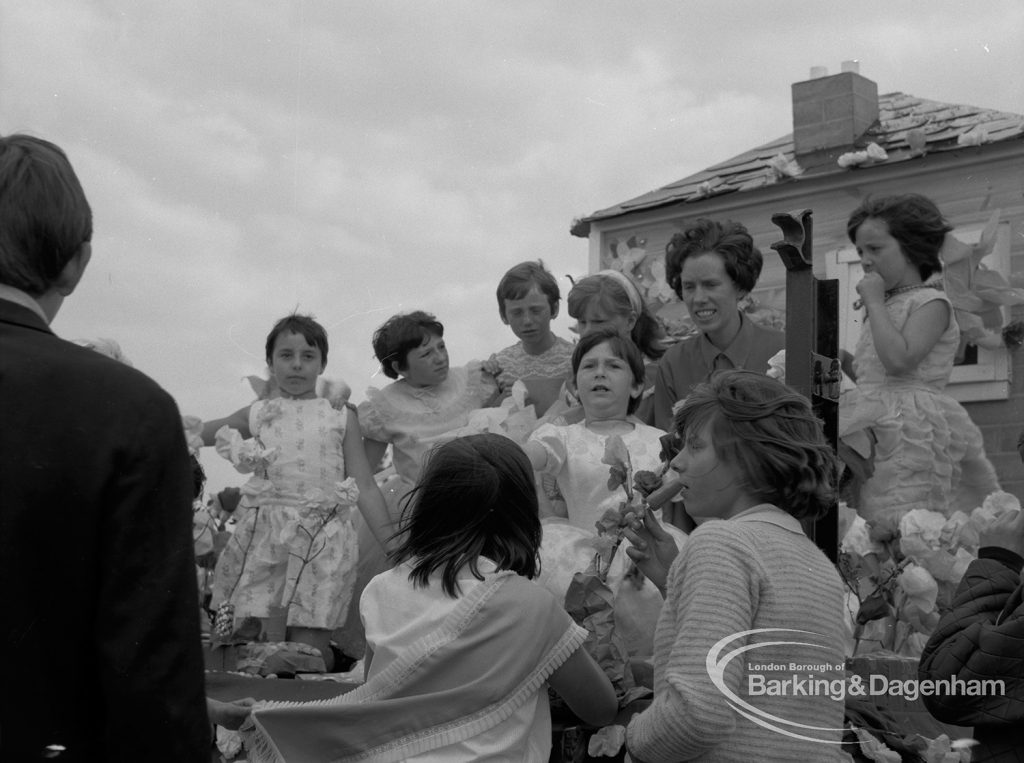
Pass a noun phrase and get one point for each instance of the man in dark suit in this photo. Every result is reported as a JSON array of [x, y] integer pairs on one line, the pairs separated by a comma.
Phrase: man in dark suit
[[99, 629]]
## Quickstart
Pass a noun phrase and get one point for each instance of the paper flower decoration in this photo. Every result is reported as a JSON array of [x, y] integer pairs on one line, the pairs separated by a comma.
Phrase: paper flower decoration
[[869, 155], [246, 455], [973, 137], [193, 426], [784, 167], [976, 292], [777, 366]]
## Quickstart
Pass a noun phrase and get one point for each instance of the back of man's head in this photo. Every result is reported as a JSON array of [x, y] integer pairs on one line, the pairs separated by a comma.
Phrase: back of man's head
[[44, 215]]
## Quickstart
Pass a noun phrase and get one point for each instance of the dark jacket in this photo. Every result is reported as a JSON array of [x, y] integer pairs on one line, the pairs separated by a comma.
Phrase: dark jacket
[[99, 629], [982, 638]]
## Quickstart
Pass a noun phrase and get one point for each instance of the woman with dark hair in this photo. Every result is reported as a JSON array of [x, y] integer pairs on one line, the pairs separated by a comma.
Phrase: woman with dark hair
[[711, 266], [751, 604]]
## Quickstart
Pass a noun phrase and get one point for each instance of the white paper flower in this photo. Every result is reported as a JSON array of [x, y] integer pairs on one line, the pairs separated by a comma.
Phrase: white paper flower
[[193, 426], [246, 455], [777, 366], [606, 742], [229, 743], [924, 524], [959, 533], [876, 153], [919, 586], [973, 137], [995, 505], [857, 540], [346, 492]]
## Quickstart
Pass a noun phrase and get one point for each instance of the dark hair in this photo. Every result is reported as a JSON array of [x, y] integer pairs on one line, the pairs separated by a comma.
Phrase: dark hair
[[914, 221], [198, 476], [647, 333], [44, 215], [401, 334], [770, 434], [309, 329], [475, 497], [518, 281], [729, 240], [621, 347]]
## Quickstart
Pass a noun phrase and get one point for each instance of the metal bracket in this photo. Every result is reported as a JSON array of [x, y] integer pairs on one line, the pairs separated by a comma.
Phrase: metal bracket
[[827, 377], [795, 247]]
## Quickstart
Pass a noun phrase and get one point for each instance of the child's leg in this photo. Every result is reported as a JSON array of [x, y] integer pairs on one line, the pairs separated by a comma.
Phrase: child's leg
[[321, 576]]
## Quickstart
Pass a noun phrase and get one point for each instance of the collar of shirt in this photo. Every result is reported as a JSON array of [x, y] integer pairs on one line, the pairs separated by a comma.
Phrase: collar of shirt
[[766, 512], [736, 352], [19, 297]]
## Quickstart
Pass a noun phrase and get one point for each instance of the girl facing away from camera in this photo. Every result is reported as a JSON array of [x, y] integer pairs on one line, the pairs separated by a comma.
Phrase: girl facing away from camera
[[461, 644], [288, 550], [754, 463]]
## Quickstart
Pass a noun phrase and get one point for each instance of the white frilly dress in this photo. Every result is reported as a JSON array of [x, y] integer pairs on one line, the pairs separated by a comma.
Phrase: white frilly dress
[[928, 454]]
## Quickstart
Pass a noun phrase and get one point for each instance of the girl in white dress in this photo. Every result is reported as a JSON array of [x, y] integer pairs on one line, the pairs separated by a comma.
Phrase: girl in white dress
[[609, 373], [927, 452]]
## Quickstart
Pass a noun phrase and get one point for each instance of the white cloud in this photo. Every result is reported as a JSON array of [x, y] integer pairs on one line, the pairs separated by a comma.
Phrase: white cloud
[[358, 159]]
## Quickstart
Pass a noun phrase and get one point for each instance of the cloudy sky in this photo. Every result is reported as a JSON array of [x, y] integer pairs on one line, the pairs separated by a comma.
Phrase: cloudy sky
[[356, 159]]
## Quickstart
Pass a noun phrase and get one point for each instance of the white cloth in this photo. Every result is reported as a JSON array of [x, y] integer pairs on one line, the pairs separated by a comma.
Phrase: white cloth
[[396, 615]]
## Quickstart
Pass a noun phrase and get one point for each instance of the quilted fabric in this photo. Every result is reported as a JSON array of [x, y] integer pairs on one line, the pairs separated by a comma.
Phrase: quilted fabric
[[982, 638]]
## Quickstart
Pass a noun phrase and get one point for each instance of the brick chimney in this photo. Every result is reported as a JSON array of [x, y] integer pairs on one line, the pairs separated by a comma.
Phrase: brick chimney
[[830, 113]]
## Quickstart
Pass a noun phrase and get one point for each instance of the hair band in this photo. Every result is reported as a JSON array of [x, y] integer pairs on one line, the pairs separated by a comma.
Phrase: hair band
[[632, 291]]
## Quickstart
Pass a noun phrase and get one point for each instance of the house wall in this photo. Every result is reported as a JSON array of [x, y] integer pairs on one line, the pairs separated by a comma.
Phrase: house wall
[[968, 185]]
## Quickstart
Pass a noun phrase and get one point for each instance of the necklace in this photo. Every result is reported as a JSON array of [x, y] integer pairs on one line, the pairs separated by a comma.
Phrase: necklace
[[889, 293]]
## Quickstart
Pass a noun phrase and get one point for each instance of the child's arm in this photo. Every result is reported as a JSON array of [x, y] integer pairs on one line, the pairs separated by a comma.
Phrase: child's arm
[[238, 420], [903, 350], [537, 454], [585, 689], [371, 501], [374, 450]]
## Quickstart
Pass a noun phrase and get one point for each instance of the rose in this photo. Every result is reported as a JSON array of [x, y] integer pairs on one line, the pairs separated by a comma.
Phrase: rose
[[616, 455], [646, 482]]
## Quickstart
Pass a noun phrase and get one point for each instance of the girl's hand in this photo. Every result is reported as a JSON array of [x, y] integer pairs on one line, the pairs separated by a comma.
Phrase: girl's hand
[[230, 715], [503, 378], [871, 288], [653, 549]]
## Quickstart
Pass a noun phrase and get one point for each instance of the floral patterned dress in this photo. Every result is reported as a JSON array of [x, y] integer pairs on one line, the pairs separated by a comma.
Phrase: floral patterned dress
[[928, 454], [294, 543]]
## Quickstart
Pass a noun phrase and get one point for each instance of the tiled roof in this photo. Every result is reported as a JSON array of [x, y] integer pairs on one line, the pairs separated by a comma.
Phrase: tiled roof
[[930, 125]]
